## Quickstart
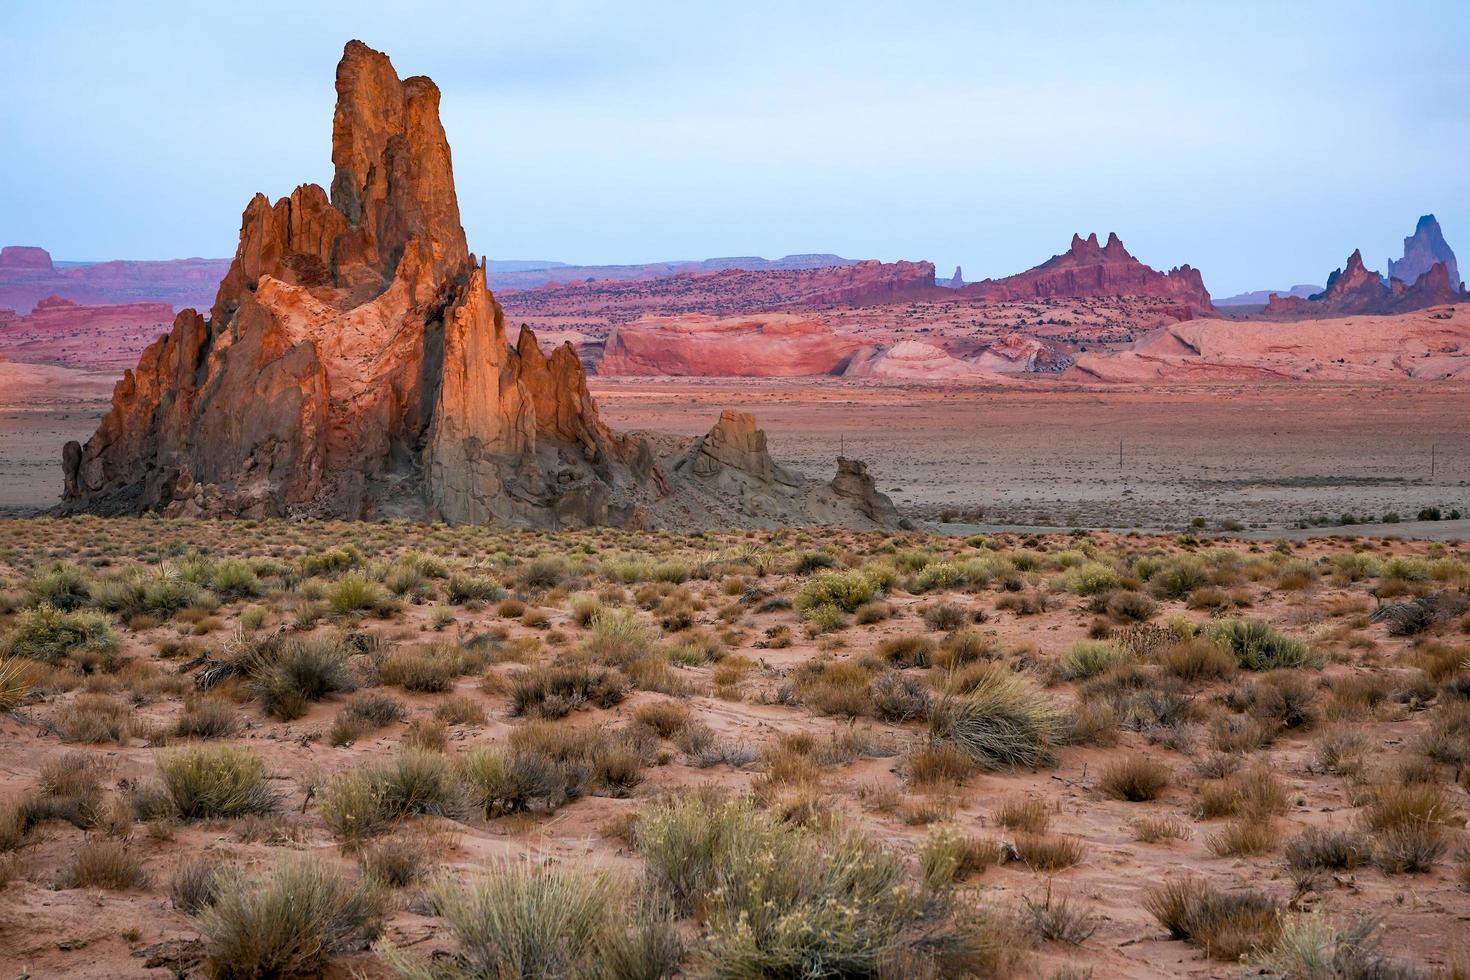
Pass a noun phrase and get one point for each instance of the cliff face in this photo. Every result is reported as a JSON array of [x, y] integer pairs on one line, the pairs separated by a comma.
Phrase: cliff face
[[1422, 250], [1087, 269], [355, 365]]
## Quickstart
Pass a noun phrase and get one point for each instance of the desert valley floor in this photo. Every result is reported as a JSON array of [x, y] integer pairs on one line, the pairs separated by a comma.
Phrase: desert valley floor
[[1261, 454], [1206, 751]]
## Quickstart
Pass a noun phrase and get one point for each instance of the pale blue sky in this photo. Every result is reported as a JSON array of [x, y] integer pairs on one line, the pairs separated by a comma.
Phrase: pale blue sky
[[1260, 142]]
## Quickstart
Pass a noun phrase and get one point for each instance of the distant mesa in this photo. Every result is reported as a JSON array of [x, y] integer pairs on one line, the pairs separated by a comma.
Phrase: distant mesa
[[1087, 269], [953, 282], [520, 274], [24, 259], [1422, 250], [1260, 297], [28, 275], [354, 364]]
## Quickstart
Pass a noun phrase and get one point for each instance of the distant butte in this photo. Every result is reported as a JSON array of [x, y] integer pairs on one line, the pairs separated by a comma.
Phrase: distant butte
[[1087, 270]]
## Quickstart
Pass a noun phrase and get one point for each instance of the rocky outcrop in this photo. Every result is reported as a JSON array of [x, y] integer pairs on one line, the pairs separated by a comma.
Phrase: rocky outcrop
[[735, 446], [355, 364], [852, 483], [1426, 345], [957, 280], [912, 360], [1087, 269], [770, 345], [1356, 289], [735, 473], [1422, 251]]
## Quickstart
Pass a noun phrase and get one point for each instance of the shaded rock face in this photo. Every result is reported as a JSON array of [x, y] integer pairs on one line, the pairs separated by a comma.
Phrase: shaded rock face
[[735, 444], [733, 470], [1356, 289], [1088, 269], [355, 365], [1422, 250]]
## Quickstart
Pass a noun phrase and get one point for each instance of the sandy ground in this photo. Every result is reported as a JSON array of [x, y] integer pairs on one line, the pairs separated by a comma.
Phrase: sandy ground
[[41, 407], [1257, 454]]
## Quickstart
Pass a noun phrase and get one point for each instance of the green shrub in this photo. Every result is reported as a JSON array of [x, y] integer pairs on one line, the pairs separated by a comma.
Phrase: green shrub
[[618, 637], [464, 587], [289, 674], [48, 634], [1179, 576], [63, 586], [1091, 578], [1088, 658], [288, 924], [785, 899], [204, 781], [355, 592], [232, 578], [1258, 646], [365, 801], [845, 590], [522, 919]]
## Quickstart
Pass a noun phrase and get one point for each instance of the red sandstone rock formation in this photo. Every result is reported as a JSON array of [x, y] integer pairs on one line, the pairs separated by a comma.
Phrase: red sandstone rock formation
[[1422, 250], [773, 345], [1356, 289], [54, 313], [1087, 269], [355, 364]]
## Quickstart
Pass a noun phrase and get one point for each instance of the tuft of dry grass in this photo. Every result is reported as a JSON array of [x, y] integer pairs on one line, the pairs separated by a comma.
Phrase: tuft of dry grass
[[1136, 779]]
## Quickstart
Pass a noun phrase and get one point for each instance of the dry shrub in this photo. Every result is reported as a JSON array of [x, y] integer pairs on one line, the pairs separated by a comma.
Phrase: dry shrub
[[1048, 852], [907, 650], [1254, 793], [666, 718], [556, 690], [102, 862], [1136, 779], [999, 722], [1225, 924], [93, 719], [1245, 837], [1318, 849], [938, 764], [1156, 830], [1027, 813]]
